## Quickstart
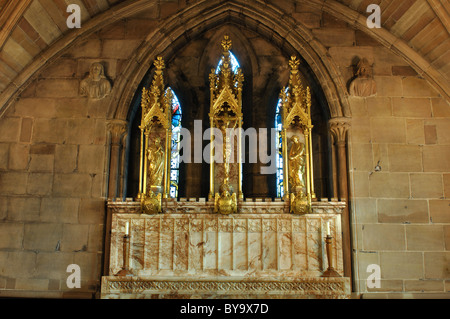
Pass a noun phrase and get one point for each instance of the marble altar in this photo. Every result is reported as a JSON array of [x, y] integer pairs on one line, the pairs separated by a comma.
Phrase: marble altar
[[261, 252]]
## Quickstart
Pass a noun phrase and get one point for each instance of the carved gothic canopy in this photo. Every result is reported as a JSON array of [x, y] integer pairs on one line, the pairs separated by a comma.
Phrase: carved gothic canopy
[[226, 85]]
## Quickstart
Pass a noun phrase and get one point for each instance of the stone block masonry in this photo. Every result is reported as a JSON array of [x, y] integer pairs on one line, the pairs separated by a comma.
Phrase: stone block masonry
[[54, 143]]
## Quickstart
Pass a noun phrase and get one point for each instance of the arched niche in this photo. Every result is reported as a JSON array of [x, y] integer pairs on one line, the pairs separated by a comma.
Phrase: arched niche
[[265, 69], [182, 28], [132, 152]]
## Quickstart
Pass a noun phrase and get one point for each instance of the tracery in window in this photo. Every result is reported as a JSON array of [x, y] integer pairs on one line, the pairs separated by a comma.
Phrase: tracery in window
[[175, 148], [278, 143], [234, 64], [234, 68]]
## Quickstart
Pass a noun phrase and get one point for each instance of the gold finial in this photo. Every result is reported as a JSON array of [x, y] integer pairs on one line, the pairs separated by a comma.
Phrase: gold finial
[[294, 62], [159, 63], [239, 78], [226, 43], [308, 98]]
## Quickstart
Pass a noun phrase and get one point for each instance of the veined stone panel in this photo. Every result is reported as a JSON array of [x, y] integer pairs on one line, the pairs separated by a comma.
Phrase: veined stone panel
[[203, 244]]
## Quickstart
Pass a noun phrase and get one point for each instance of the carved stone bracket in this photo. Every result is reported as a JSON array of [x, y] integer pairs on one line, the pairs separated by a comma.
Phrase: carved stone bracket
[[196, 206], [95, 85], [363, 84]]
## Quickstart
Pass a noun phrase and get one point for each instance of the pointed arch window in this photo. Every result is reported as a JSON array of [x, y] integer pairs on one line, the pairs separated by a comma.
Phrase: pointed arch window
[[234, 68], [175, 150], [279, 158], [278, 143], [234, 64]]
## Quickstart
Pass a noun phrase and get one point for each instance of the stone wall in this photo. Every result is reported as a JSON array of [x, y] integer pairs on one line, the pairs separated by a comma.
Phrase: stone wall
[[54, 155], [53, 181], [401, 210]]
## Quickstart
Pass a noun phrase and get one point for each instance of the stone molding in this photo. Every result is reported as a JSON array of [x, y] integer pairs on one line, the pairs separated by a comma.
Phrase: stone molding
[[312, 287], [250, 206]]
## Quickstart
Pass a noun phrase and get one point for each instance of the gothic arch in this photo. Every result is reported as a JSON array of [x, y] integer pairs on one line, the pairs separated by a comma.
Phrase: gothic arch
[[244, 52], [185, 26], [258, 14]]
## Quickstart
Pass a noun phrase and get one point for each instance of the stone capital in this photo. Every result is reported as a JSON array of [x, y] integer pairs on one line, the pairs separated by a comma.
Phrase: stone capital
[[117, 128], [339, 127]]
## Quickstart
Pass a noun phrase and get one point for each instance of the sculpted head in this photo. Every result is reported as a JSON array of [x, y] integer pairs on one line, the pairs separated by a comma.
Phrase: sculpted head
[[363, 67], [96, 70]]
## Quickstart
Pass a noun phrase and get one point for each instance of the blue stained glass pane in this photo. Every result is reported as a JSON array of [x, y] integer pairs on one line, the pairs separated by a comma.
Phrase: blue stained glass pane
[[278, 141], [173, 192], [173, 163], [175, 156], [234, 64]]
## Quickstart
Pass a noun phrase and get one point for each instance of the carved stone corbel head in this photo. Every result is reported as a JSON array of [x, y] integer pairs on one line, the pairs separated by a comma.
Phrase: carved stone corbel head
[[95, 85]]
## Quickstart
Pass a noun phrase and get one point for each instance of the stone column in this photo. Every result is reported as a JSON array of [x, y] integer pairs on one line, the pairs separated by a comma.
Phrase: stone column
[[339, 128], [117, 131], [122, 164]]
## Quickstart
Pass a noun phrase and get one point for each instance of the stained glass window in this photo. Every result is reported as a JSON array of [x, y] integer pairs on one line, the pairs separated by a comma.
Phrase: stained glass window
[[278, 143], [234, 64], [175, 152]]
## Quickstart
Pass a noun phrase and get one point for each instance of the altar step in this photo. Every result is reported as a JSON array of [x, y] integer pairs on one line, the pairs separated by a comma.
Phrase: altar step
[[133, 287]]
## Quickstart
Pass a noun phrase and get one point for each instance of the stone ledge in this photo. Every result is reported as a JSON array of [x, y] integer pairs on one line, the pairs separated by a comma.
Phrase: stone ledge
[[191, 205], [225, 287]]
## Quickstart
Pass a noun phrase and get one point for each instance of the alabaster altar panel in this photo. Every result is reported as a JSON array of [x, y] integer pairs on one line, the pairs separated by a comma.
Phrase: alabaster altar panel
[[261, 243], [201, 244]]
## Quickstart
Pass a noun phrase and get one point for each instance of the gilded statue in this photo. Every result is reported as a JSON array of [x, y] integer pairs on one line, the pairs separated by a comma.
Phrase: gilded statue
[[155, 157], [297, 162], [225, 202], [226, 114], [226, 187], [95, 85], [363, 84]]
